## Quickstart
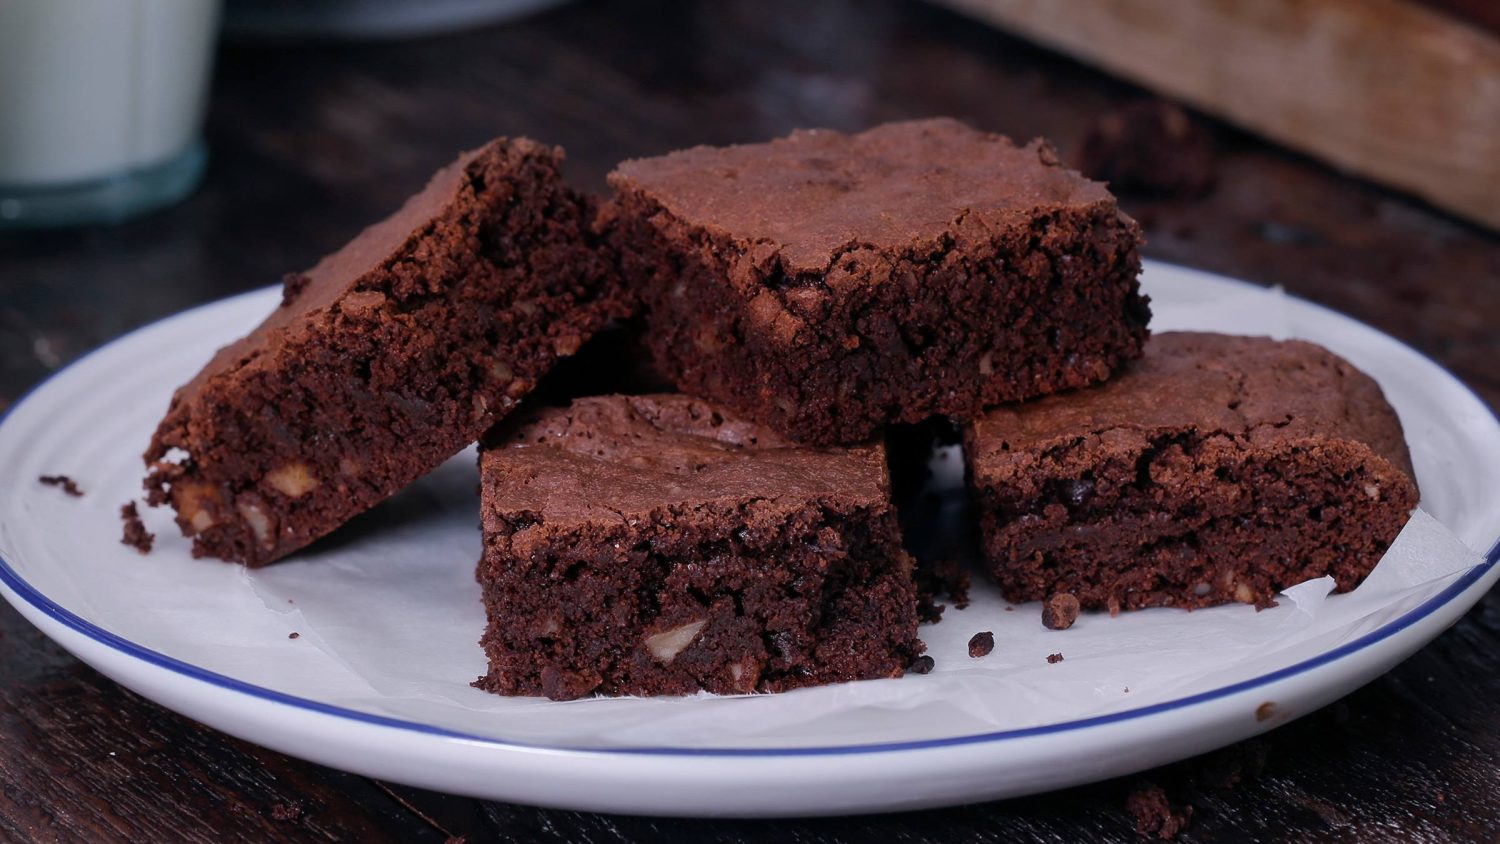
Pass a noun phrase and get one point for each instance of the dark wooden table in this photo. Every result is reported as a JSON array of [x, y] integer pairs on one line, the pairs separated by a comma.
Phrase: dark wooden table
[[311, 142]]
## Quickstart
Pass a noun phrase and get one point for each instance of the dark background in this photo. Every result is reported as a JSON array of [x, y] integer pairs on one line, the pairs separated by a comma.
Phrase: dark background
[[311, 142]]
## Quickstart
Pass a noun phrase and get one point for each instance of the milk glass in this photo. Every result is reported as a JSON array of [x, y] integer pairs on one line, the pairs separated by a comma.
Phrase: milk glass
[[101, 106]]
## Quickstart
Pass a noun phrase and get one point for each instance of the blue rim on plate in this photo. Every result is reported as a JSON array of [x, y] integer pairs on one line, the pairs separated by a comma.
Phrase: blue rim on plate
[[51, 609]]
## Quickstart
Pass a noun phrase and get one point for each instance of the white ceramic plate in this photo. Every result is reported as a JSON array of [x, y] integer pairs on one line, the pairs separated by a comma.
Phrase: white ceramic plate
[[388, 615]]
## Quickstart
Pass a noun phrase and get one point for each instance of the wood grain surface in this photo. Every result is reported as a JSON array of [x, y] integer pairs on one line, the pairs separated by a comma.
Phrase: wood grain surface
[[1388, 89], [310, 142]]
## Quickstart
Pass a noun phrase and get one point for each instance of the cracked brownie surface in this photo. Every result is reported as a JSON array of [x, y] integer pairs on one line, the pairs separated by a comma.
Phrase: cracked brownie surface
[[1214, 469], [387, 358], [657, 544], [826, 284]]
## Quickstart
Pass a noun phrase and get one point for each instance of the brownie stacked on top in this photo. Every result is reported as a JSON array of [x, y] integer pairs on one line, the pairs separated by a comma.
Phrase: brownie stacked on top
[[828, 284], [802, 294]]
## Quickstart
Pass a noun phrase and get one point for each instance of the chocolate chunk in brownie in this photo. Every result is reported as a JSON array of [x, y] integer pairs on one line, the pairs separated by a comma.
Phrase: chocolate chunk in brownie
[[922, 665], [658, 545], [387, 358], [1060, 611], [827, 284], [135, 534], [1215, 469], [67, 484], [981, 644]]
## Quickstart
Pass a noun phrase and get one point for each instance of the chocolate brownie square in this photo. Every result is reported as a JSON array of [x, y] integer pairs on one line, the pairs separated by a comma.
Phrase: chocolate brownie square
[[1215, 469], [827, 284], [387, 358], [656, 545]]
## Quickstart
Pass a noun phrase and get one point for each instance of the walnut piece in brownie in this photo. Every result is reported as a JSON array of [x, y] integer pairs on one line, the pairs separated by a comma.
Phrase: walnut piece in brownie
[[827, 284], [657, 545], [135, 533], [387, 358], [1215, 469]]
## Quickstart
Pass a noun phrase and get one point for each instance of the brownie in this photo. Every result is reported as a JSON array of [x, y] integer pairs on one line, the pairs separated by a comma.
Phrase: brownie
[[1215, 469], [657, 545], [387, 358], [826, 284]]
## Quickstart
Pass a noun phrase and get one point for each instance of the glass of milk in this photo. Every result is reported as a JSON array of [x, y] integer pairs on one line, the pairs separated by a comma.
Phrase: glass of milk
[[101, 106]]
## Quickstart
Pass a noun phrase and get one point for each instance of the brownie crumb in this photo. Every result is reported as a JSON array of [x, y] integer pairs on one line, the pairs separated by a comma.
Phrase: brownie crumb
[[1154, 814], [63, 481], [1149, 148], [982, 644], [1265, 712], [286, 811], [1060, 611], [292, 285], [294, 635], [922, 665], [1053, 659], [136, 535]]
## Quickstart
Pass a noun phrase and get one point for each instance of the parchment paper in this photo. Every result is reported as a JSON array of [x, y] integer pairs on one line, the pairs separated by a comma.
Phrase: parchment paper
[[387, 613]]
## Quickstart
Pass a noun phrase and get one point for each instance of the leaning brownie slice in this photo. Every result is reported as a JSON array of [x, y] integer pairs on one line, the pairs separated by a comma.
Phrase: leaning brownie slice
[[1215, 469], [826, 284], [654, 545], [385, 359]]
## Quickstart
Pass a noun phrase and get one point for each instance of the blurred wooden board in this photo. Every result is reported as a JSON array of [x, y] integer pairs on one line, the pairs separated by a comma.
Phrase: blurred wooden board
[[1389, 90]]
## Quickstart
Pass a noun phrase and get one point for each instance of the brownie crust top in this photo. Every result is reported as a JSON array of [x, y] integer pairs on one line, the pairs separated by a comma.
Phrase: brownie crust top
[[1241, 386], [817, 192], [339, 273], [612, 456]]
